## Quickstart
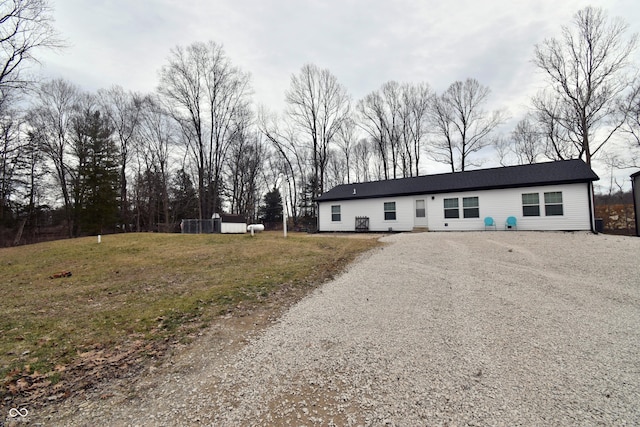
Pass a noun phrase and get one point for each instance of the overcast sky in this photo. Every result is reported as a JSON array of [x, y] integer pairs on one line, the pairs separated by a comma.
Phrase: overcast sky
[[364, 43]]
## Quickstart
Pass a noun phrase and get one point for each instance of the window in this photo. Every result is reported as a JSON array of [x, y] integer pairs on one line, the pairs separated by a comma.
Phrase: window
[[335, 213], [553, 203], [470, 207], [530, 204], [420, 209], [451, 208], [389, 211]]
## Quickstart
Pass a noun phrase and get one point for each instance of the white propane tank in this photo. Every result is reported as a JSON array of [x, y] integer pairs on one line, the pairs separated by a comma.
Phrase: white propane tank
[[255, 228]]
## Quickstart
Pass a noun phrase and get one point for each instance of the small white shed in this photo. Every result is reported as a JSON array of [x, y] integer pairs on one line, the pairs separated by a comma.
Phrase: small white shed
[[229, 224]]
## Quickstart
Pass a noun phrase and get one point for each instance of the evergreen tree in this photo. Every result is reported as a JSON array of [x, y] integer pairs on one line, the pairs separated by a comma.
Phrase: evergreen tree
[[183, 198], [96, 176], [271, 210]]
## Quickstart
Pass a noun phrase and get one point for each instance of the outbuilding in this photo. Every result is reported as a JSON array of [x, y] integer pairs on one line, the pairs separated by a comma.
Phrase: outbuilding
[[219, 223], [543, 196]]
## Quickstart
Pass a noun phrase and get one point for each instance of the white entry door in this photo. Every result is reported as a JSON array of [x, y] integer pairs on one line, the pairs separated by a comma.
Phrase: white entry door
[[420, 213]]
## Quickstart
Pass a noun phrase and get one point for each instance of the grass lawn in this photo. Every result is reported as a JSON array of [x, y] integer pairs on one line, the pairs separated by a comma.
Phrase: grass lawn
[[132, 291]]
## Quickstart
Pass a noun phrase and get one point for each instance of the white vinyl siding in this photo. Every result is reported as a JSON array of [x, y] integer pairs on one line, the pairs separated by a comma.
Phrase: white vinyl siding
[[371, 208], [498, 204], [503, 203]]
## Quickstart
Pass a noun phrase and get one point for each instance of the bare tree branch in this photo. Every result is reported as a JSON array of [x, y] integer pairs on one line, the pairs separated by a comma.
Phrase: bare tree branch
[[26, 26], [461, 125], [587, 71]]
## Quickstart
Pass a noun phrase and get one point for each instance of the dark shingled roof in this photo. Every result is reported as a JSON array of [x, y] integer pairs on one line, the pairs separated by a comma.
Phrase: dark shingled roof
[[550, 173]]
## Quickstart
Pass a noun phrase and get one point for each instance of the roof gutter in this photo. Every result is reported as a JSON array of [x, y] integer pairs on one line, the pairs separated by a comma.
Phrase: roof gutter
[[449, 190]]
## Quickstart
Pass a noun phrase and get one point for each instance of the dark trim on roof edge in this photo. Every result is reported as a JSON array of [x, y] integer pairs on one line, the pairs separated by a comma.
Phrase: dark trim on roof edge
[[517, 176], [416, 193]]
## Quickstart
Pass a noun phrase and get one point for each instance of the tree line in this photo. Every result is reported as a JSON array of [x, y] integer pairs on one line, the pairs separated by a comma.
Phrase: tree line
[[117, 160]]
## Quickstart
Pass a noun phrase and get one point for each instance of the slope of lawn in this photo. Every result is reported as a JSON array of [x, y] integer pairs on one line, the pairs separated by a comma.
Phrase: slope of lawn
[[133, 290]]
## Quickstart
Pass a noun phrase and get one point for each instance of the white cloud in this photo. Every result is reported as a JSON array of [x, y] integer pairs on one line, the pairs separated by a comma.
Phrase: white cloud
[[363, 42]]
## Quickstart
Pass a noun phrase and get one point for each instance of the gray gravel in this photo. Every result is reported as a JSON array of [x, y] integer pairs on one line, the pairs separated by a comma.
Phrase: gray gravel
[[491, 328]]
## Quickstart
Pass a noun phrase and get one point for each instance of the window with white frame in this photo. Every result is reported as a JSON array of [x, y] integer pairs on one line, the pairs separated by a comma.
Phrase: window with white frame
[[553, 203], [530, 204], [335, 213], [389, 211], [471, 207], [420, 209], [451, 208]]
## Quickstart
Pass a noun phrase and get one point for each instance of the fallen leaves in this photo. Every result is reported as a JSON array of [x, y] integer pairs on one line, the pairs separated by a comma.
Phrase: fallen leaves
[[22, 386]]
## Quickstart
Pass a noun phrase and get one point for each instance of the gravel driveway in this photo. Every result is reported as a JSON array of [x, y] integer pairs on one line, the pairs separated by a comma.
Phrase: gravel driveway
[[491, 328]]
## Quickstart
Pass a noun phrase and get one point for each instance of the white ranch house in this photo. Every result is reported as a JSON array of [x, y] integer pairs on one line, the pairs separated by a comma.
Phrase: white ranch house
[[543, 196]]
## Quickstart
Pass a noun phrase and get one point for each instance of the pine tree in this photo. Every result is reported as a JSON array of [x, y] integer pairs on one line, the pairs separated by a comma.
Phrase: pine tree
[[96, 177], [271, 210]]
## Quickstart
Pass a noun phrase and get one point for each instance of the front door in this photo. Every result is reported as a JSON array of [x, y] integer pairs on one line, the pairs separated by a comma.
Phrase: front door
[[420, 213]]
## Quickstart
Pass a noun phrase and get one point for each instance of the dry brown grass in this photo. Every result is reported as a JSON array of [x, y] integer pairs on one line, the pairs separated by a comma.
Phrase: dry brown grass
[[134, 290]]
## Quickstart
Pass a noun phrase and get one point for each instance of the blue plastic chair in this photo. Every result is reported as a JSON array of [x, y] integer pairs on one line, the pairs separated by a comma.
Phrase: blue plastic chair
[[511, 223], [489, 222]]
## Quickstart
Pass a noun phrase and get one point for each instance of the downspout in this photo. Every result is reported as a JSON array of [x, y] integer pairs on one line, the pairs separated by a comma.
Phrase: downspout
[[635, 203], [592, 218]]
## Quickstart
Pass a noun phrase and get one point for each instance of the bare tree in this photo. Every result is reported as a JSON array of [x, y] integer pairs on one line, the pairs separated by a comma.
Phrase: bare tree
[[51, 119], [526, 141], [392, 95], [417, 101], [385, 117], [244, 169], [336, 169], [293, 158], [557, 143], [630, 107], [318, 106], [503, 147], [395, 117], [461, 125], [587, 71], [206, 96], [25, 27], [523, 145], [362, 153], [123, 110], [157, 134], [345, 142], [12, 149], [33, 175], [373, 119]]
